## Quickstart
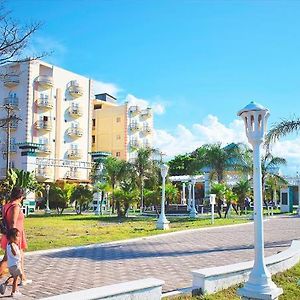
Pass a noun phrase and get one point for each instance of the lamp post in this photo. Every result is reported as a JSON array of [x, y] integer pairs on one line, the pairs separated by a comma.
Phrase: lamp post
[[193, 212], [212, 200], [47, 210], [162, 222], [99, 193], [260, 284], [298, 182]]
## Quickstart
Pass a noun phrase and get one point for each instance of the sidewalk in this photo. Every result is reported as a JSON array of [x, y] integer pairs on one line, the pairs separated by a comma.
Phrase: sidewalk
[[169, 257]]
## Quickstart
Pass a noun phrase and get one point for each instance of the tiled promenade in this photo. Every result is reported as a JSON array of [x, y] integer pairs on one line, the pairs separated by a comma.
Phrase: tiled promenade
[[168, 257]]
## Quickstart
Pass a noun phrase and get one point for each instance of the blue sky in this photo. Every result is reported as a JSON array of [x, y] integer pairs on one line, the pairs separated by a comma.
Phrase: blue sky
[[199, 62]]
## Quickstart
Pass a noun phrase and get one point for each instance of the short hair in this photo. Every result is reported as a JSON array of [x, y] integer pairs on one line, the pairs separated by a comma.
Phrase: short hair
[[16, 193], [12, 233]]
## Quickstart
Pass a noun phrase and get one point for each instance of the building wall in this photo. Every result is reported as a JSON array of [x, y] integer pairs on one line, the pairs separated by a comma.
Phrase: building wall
[[110, 129], [47, 94]]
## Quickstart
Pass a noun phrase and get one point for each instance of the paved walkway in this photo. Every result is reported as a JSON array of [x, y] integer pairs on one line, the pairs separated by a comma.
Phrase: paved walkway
[[169, 257]]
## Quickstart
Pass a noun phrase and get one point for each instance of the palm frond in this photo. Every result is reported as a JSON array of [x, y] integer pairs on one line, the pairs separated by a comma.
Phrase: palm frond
[[282, 129]]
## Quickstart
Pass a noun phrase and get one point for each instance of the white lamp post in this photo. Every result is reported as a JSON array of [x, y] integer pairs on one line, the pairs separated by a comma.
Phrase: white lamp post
[[193, 212], [259, 285], [298, 181], [162, 222], [47, 210], [212, 200], [99, 193]]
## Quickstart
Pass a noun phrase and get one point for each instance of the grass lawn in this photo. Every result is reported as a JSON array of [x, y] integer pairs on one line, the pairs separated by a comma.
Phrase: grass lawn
[[288, 280], [47, 232]]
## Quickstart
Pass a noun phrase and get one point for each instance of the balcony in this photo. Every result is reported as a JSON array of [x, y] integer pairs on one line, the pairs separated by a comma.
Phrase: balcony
[[74, 89], [44, 103], [45, 81], [75, 132], [73, 174], [134, 110], [146, 113], [45, 149], [43, 173], [134, 143], [146, 129], [74, 154], [134, 126], [11, 80], [43, 125], [11, 101], [75, 111]]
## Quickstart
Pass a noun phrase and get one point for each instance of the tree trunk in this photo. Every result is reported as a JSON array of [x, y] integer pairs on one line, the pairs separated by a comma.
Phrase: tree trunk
[[219, 207]]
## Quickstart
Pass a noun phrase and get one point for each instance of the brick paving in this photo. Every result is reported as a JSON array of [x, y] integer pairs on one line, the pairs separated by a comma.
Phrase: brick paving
[[170, 258]]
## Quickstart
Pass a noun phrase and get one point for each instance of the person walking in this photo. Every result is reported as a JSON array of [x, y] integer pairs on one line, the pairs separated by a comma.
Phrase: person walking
[[14, 217]]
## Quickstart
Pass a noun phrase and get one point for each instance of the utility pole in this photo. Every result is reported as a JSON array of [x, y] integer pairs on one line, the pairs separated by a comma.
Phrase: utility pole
[[7, 122]]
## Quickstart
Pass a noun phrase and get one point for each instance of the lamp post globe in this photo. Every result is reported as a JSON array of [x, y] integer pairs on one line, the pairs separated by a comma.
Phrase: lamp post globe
[[260, 284], [47, 210], [162, 222]]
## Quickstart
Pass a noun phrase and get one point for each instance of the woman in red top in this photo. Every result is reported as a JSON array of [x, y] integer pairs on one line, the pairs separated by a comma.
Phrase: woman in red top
[[13, 214]]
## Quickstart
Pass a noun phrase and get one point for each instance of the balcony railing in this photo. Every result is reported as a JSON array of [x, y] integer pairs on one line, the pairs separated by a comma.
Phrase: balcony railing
[[72, 175], [45, 81], [11, 80], [134, 143], [146, 113], [44, 103], [45, 125], [134, 109], [146, 129], [75, 111], [43, 173], [75, 90], [75, 132], [134, 126], [74, 153], [12, 101], [45, 148]]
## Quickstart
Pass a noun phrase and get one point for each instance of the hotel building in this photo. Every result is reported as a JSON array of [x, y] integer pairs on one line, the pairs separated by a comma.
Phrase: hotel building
[[120, 129], [53, 137]]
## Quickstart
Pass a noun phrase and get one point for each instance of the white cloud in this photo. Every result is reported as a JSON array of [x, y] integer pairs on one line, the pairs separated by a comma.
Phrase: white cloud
[[211, 130], [158, 107], [105, 87]]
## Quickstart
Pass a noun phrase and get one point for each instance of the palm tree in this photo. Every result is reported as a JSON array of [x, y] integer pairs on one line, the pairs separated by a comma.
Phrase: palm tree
[[82, 195], [113, 171], [143, 165], [282, 129], [222, 159], [220, 190], [242, 189]]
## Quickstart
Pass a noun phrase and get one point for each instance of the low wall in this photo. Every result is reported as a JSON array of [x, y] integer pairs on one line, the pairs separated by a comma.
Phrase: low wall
[[211, 280], [144, 289]]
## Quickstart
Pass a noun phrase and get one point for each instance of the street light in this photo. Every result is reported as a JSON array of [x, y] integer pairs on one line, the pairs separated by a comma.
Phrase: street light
[[298, 181], [193, 212], [162, 222], [47, 210], [260, 284], [99, 193]]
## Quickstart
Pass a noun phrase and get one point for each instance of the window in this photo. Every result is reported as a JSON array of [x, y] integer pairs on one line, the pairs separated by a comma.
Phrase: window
[[118, 154], [94, 122], [118, 119], [93, 139], [118, 137]]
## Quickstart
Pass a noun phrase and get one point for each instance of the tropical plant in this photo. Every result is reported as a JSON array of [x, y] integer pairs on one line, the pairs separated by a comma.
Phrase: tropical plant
[[101, 187], [181, 165], [242, 189], [60, 196], [143, 165], [219, 189], [171, 192], [114, 170], [231, 201], [21, 178], [82, 196], [124, 199]]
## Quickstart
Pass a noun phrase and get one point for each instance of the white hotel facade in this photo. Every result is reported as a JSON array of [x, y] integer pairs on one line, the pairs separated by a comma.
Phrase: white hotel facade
[[53, 137], [56, 133]]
